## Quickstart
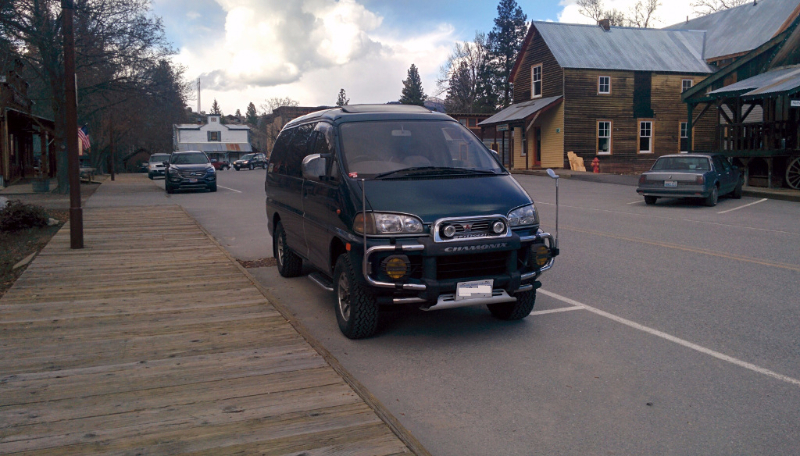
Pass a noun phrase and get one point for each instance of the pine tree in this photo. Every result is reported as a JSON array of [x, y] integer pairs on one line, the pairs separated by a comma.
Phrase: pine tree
[[251, 116], [215, 108], [412, 88], [506, 37], [343, 100]]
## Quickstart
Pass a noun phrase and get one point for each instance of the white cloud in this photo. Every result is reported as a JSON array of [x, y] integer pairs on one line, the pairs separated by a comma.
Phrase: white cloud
[[668, 13], [308, 50]]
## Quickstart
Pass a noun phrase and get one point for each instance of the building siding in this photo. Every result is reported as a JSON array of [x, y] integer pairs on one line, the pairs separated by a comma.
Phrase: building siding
[[552, 73]]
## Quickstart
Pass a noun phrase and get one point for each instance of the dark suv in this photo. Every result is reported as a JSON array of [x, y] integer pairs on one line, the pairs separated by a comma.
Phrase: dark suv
[[397, 205], [190, 170], [251, 161]]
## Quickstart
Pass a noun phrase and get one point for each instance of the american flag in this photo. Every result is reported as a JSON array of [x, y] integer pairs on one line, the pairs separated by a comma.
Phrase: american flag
[[83, 137]]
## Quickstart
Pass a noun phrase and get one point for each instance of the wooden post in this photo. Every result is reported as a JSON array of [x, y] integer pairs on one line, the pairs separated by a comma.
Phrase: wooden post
[[690, 107]]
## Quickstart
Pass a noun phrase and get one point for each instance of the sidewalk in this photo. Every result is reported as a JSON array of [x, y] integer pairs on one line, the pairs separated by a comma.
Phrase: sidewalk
[[756, 192], [152, 340]]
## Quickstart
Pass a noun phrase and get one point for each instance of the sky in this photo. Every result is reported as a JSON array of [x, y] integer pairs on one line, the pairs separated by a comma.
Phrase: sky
[[252, 50]]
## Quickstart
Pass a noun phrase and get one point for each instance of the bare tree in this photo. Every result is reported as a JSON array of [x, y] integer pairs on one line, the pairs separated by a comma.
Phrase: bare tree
[[642, 14], [274, 103], [466, 76], [703, 7]]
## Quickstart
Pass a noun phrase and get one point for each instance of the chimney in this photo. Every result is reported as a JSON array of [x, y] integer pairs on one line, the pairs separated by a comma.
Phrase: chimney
[[605, 23]]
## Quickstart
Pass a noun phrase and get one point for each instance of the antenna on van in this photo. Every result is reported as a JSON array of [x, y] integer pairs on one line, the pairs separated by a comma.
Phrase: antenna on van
[[555, 176], [364, 218]]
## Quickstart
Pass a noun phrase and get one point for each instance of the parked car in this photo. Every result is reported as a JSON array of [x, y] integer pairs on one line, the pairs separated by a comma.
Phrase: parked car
[[704, 176], [397, 205], [155, 165], [190, 170], [220, 165], [251, 161]]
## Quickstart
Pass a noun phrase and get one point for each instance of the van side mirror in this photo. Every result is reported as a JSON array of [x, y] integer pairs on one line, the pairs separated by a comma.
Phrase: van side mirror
[[314, 166]]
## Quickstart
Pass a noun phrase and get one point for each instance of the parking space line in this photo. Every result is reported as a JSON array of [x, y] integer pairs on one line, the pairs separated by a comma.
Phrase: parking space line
[[674, 339], [742, 207], [635, 202], [226, 188], [561, 309]]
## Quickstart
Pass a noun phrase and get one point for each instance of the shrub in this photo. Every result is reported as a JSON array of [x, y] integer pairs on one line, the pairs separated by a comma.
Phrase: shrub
[[19, 216]]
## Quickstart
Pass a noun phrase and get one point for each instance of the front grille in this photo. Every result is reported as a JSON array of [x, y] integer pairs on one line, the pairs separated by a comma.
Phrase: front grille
[[467, 229], [473, 265], [192, 174]]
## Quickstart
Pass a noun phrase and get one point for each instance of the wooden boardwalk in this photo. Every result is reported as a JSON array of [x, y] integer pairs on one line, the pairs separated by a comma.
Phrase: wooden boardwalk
[[150, 340]]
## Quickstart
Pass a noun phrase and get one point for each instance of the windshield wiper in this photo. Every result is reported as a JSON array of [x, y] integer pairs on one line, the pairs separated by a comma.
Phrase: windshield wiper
[[429, 170]]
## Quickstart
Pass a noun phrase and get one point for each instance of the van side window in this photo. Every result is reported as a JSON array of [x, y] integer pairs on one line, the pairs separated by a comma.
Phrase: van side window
[[298, 149], [280, 152], [324, 145]]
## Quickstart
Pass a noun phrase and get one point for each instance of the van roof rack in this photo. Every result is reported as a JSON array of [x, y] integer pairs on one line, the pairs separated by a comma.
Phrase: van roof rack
[[369, 108]]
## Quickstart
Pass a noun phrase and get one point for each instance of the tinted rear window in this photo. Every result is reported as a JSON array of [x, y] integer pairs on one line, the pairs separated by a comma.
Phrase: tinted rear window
[[681, 164]]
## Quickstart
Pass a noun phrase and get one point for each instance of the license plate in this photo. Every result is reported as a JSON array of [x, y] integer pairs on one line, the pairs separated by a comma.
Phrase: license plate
[[192, 181], [670, 183], [475, 289]]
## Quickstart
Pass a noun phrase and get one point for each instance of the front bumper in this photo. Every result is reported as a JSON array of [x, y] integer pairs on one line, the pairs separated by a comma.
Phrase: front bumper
[[437, 269], [156, 171], [183, 183]]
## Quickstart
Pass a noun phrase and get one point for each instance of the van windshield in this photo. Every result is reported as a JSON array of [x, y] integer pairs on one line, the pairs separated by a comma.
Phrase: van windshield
[[396, 149]]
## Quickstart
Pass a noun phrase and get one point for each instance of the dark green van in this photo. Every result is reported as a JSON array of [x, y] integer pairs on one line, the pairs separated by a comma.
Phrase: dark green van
[[398, 205]]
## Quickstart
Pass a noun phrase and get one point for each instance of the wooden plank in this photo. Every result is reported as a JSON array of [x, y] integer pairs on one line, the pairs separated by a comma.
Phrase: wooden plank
[[111, 349]]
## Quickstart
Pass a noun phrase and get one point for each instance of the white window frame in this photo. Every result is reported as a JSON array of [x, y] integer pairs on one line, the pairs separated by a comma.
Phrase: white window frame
[[683, 132], [649, 136], [600, 85], [684, 83], [608, 136], [533, 81]]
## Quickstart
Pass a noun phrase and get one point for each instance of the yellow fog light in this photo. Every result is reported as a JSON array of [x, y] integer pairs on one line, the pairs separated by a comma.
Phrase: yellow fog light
[[396, 266], [540, 255]]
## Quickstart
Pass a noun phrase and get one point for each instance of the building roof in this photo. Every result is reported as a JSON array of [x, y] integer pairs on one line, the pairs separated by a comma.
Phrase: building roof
[[520, 111], [216, 147], [624, 48], [776, 81], [738, 30], [199, 126]]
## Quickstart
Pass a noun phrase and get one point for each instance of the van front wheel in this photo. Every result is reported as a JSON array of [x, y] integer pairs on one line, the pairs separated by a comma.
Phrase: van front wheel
[[356, 307], [289, 264], [514, 310]]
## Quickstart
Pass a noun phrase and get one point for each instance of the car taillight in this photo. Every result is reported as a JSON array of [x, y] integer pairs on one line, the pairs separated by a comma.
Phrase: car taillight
[[699, 180], [642, 179]]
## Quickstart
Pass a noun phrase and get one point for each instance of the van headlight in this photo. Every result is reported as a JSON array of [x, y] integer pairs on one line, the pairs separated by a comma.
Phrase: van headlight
[[381, 223], [525, 215]]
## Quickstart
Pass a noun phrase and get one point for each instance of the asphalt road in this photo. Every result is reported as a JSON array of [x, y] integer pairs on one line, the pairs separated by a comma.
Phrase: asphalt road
[[666, 329]]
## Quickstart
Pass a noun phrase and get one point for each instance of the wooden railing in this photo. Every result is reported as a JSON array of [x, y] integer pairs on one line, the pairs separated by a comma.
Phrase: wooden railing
[[782, 135]]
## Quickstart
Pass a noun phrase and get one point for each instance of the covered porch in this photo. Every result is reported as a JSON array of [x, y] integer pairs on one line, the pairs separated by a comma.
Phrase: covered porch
[[530, 134]]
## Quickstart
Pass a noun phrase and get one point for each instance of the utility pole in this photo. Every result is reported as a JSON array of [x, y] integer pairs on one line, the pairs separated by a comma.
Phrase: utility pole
[[112, 146], [73, 168], [198, 95]]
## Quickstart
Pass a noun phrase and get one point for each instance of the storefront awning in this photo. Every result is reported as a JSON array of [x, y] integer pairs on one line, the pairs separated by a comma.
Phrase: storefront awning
[[520, 111]]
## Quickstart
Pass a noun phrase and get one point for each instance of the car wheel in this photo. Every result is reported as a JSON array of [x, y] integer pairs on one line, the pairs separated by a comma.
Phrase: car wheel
[[236, 168], [264, 165], [356, 306], [212, 188], [251, 166], [737, 192], [649, 200], [289, 264], [712, 198], [514, 310]]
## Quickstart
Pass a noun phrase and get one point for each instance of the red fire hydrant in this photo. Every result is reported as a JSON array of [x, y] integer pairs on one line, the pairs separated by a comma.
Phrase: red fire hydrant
[[596, 165]]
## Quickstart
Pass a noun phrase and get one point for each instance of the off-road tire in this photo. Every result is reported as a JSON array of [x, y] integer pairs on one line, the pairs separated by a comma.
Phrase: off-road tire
[[650, 200], [514, 310], [356, 306], [737, 191], [289, 264], [712, 198]]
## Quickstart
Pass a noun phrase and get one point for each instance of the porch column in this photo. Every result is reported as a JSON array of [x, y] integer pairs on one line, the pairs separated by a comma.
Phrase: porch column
[[689, 135]]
